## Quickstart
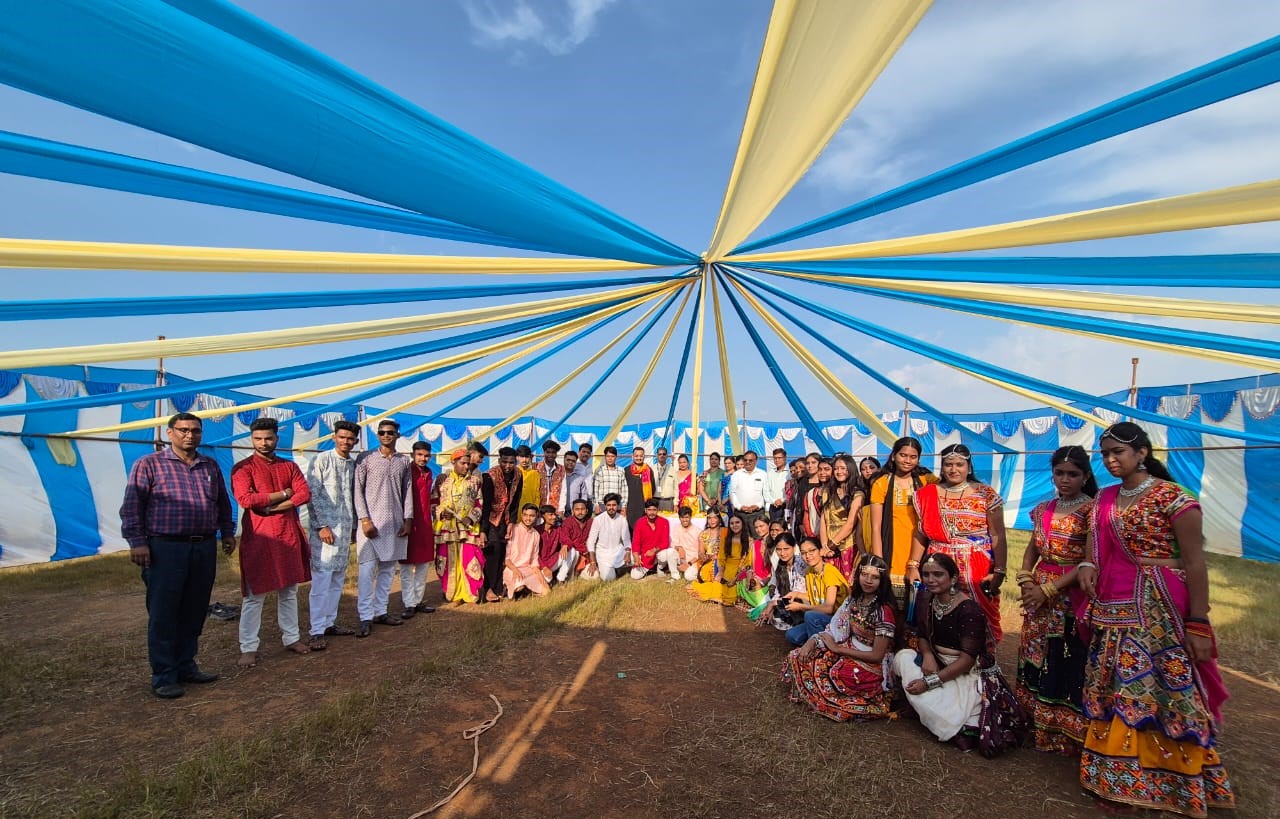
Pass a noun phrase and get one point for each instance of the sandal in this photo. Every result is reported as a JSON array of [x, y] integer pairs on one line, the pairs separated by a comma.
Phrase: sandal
[[248, 659], [317, 643], [297, 647]]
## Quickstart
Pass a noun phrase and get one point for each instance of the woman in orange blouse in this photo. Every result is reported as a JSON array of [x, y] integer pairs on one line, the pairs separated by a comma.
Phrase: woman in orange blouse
[[893, 516], [1051, 655]]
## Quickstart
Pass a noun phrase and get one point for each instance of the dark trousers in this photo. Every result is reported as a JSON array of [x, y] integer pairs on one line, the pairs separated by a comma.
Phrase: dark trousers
[[495, 560], [749, 520], [179, 582]]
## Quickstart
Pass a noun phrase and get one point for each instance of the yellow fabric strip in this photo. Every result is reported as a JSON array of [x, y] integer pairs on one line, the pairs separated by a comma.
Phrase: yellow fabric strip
[[612, 434], [828, 379], [543, 337], [564, 331], [563, 382], [1245, 204], [300, 336], [1068, 299], [43, 253], [1039, 397], [726, 377], [817, 62], [695, 432]]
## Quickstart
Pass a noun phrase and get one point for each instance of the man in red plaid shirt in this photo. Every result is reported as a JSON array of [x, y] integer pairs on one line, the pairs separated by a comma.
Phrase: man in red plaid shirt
[[175, 506]]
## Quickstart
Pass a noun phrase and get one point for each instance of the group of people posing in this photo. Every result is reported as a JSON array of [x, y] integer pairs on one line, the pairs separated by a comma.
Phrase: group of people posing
[[885, 579]]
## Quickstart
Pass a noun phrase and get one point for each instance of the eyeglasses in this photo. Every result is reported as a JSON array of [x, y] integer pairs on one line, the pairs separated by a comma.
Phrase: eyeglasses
[[382, 432], [186, 430]]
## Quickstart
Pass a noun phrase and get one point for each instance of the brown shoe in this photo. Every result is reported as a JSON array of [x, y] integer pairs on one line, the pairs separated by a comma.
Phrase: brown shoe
[[297, 647], [388, 620], [317, 642], [248, 659]]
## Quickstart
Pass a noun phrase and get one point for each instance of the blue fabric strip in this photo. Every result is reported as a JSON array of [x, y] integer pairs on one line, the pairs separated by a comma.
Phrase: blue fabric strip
[[684, 365], [505, 379], [45, 159], [1225, 270], [1261, 518], [352, 362], [1071, 321], [802, 412], [1229, 76], [644, 331], [178, 305], [999, 373], [208, 73], [75, 516], [886, 382]]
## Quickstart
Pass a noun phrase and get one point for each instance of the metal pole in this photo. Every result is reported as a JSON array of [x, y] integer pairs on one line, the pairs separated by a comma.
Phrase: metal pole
[[1133, 384], [906, 416], [160, 382], [742, 428]]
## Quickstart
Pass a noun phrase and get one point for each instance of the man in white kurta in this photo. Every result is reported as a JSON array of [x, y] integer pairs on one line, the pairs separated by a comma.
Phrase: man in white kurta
[[609, 543], [332, 523], [384, 505]]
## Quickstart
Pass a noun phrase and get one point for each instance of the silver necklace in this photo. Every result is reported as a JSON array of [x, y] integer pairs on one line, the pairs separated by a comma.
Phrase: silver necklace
[[960, 487], [940, 610], [1071, 503], [1139, 489]]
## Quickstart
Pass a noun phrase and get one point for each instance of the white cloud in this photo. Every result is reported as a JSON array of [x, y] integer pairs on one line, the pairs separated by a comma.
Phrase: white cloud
[[518, 23], [974, 76]]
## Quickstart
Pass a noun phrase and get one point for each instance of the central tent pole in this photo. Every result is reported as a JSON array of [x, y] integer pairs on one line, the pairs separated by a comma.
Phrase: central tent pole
[[695, 433]]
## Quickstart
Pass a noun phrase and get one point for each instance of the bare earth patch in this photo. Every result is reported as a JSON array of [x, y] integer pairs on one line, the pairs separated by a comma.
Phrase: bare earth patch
[[626, 700]]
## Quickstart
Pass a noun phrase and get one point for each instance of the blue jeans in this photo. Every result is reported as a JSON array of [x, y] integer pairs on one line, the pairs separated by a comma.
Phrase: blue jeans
[[815, 622], [179, 582]]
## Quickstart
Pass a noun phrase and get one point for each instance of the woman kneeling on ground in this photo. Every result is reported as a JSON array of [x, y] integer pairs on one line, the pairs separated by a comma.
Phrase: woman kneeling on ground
[[842, 672], [788, 576], [824, 590], [951, 674]]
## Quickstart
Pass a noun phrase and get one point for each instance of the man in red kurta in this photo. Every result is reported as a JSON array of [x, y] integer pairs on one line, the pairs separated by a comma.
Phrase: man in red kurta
[[274, 553], [573, 534], [422, 540], [651, 542]]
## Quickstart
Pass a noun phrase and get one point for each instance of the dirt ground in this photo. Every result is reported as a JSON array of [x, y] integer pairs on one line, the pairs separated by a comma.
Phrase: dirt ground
[[670, 709]]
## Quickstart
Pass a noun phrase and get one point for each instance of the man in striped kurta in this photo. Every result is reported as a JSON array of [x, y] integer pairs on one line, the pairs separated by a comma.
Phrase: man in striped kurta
[[384, 505]]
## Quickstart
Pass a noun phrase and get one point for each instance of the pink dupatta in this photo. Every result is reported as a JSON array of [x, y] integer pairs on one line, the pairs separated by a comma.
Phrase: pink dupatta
[[1120, 574]]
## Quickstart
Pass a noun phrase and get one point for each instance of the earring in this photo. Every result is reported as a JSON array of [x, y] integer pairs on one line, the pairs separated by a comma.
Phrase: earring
[[1142, 467]]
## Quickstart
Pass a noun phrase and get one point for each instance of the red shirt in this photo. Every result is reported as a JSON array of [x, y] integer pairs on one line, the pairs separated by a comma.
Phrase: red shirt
[[649, 538], [574, 534], [274, 551], [549, 548], [422, 538]]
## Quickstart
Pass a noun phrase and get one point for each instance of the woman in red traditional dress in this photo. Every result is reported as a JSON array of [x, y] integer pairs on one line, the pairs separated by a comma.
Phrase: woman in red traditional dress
[[964, 519], [1052, 652]]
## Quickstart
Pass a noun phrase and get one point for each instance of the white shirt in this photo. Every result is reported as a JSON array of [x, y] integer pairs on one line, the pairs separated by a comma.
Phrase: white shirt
[[775, 484], [746, 489], [610, 539]]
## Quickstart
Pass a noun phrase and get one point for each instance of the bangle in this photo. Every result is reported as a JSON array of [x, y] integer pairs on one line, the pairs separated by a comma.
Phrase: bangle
[[1199, 629], [999, 570], [1025, 577], [1050, 590], [1086, 564], [913, 564], [932, 681]]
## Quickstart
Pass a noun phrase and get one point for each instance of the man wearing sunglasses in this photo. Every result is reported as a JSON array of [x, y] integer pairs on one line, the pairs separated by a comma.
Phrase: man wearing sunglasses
[[384, 505]]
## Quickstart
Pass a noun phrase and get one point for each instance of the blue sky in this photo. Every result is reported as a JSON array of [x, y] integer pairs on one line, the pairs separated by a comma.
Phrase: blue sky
[[639, 105]]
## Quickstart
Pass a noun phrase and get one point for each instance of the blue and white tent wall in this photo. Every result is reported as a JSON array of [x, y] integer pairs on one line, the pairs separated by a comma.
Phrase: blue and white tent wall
[[63, 497]]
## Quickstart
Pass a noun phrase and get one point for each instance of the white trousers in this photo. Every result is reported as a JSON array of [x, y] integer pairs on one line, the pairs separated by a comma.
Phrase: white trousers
[[374, 587], [413, 583], [564, 567], [326, 594], [605, 573], [286, 614], [665, 557], [691, 572]]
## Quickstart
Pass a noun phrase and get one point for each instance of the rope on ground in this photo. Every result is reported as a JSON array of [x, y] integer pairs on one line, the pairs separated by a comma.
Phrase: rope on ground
[[473, 733]]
